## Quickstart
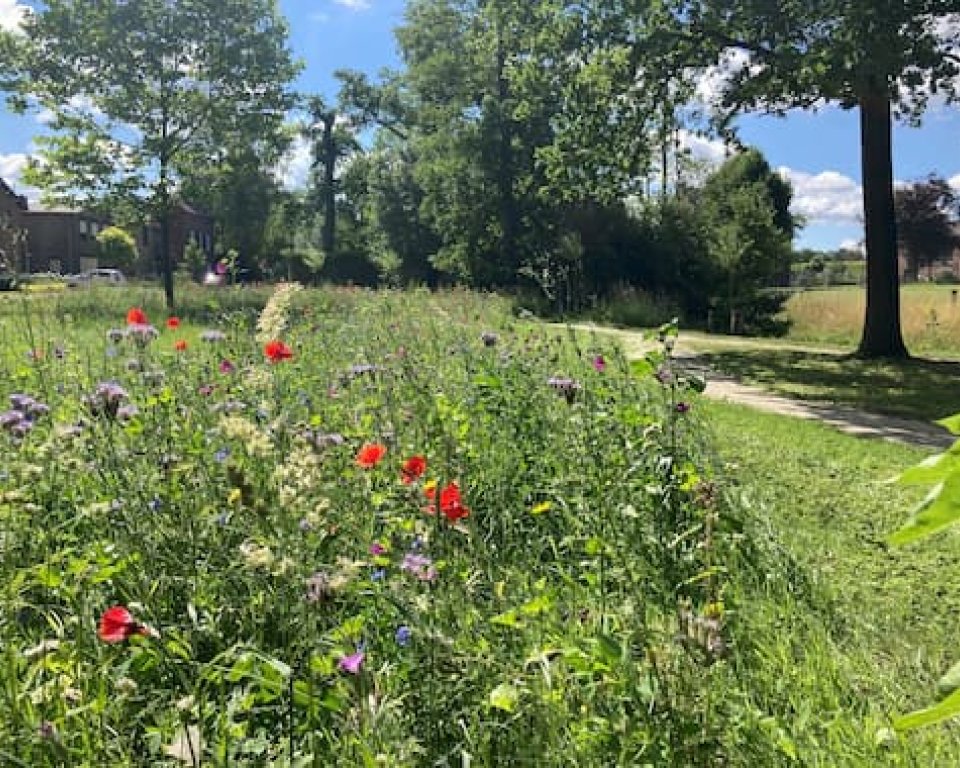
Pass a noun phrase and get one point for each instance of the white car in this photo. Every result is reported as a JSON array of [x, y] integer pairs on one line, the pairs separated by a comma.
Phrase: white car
[[98, 277]]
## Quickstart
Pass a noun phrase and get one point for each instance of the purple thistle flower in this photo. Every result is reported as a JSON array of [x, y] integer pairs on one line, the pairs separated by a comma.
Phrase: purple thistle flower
[[226, 366]]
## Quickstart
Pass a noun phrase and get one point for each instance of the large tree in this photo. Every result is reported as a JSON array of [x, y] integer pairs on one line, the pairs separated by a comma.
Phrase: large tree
[[143, 93], [926, 222], [885, 58]]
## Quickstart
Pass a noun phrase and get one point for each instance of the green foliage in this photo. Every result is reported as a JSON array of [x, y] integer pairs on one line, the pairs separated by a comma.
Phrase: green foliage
[[116, 248], [578, 613], [190, 80], [926, 213]]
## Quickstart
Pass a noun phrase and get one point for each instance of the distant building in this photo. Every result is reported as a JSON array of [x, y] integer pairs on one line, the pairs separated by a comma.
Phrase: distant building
[[13, 245], [948, 266], [65, 241], [62, 241]]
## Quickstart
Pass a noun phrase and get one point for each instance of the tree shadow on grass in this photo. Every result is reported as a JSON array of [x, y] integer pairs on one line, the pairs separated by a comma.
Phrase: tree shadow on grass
[[926, 390]]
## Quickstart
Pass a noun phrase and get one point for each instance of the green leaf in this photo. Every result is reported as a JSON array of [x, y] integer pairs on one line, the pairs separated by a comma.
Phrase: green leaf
[[949, 707], [939, 510], [951, 424], [507, 619], [933, 469], [504, 697], [950, 681]]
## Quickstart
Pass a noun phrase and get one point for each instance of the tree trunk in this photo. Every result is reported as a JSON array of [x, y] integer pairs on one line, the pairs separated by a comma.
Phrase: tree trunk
[[509, 261], [166, 262], [328, 236], [881, 329]]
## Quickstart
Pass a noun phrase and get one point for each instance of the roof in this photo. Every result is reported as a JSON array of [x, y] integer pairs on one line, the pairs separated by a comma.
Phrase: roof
[[6, 189]]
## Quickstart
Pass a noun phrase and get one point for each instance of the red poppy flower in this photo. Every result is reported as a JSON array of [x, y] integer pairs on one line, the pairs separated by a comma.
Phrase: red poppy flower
[[180, 345], [370, 455], [413, 468], [117, 624], [451, 504], [136, 316], [173, 322], [276, 351]]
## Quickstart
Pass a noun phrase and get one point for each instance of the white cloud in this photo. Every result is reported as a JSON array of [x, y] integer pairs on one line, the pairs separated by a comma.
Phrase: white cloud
[[713, 151], [354, 5], [11, 14], [11, 168], [824, 197], [294, 168], [851, 244], [954, 181]]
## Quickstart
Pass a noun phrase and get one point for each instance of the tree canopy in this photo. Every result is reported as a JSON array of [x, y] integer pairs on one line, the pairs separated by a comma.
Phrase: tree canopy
[[141, 95], [885, 58]]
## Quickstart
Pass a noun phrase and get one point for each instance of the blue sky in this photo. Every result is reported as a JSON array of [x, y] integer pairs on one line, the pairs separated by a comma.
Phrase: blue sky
[[818, 152]]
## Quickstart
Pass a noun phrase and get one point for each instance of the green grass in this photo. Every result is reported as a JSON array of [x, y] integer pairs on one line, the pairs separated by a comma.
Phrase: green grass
[[889, 615], [918, 389], [628, 589], [929, 314]]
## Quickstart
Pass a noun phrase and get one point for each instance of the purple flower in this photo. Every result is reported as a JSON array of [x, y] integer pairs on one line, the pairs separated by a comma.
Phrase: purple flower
[[599, 364], [9, 419], [221, 455], [226, 366], [378, 575], [403, 635], [664, 376], [142, 333], [352, 663], [377, 549], [420, 566], [127, 412], [682, 407], [106, 399], [206, 390], [566, 387]]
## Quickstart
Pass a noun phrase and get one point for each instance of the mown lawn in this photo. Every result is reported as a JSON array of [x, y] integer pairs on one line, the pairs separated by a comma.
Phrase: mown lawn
[[891, 614]]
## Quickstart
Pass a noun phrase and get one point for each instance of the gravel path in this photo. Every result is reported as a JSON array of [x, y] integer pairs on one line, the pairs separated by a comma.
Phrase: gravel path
[[724, 387]]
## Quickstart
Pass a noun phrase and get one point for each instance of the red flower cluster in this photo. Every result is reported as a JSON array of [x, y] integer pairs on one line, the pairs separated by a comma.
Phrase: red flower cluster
[[277, 351], [412, 469], [370, 454], [173, 322], [136, 316], [117, 624], [180, 345], [451, 505]]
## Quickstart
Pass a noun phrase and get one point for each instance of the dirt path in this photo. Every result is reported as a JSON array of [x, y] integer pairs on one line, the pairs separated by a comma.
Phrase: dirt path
[[724, 387]]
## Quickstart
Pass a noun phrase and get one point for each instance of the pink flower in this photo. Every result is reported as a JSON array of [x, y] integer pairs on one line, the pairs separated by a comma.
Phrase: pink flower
[[352, 663], [377, 549], [226, 366], [599, 364]]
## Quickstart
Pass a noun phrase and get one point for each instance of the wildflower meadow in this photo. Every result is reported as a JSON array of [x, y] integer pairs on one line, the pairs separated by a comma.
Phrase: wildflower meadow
[[366, 528]]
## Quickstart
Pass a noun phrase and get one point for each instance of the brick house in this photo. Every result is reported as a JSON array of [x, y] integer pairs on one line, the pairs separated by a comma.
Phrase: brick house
[[13, 244], [65, 241], [62, 241], [187, 224]]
